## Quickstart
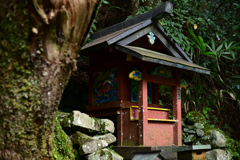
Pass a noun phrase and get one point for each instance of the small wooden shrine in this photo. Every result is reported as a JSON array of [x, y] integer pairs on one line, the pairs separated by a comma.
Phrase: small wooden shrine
[[128, 62]]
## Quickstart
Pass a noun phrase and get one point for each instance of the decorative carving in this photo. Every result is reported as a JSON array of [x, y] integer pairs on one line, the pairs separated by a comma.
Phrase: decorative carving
[[161, 71], [183, 83], [105, 86], [136, 75], [151, 38]]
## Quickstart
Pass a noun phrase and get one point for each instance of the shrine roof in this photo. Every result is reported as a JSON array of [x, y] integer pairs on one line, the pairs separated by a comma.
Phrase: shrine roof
[[160, 58], [122, 35]]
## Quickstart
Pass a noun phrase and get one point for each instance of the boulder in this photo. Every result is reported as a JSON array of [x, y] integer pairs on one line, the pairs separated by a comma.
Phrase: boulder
[[188, 130], [198, 143], [92, 146], [198, 126], [189, 139], [217, 139], [79, 138], [195, 117], [109, 138], [200, 132], [83, 123], [218, 154], [205, 139], [104, 154], [108, 125]]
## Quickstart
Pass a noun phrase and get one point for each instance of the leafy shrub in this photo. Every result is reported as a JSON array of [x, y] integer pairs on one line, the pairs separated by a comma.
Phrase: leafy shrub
[[195, 117]]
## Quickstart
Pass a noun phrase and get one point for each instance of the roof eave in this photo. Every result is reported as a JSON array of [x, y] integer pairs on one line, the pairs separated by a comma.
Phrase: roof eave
[[162, 62]]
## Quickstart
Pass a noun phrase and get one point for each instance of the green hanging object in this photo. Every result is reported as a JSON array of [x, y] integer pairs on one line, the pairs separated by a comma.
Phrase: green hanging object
[[136, 75], [183, 83], [151, 38]]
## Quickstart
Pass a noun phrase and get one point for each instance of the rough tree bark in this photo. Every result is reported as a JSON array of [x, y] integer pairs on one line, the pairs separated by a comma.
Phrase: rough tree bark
[[39, 41]]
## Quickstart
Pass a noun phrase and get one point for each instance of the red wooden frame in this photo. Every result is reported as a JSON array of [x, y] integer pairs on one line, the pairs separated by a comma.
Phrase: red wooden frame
[[147, 130]]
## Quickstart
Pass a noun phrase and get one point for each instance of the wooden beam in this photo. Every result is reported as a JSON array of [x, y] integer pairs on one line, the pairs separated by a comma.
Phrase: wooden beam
[[120, 129], [135, 36], [106, 65], [106, 105], [105, 112], [143, 105], [161, 80], [165, 42], [177, 129], [162, 120], [128, 32], [173, 43]]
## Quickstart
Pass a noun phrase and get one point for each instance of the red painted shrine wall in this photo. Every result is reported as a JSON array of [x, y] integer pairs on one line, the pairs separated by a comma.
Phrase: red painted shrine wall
[[155, 133]]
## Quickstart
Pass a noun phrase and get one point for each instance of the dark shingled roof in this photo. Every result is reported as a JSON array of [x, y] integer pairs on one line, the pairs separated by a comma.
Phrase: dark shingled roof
[[155, 14], [101, 38], [124, 33]]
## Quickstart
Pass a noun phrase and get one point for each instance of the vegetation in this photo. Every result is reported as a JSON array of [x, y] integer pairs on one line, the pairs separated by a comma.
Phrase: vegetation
[[195, 117]]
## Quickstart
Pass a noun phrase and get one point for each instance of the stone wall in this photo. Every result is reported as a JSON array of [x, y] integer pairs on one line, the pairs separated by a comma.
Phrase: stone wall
[[91, 136], [196, 132]]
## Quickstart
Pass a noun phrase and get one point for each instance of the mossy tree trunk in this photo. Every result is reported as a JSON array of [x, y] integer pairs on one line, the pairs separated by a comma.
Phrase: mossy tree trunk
[[39, 41]]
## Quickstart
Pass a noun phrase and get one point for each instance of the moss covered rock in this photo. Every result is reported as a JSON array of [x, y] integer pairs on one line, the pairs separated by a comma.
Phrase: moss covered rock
[[63, 147], [77, 121], [195, 117], [104, 154]]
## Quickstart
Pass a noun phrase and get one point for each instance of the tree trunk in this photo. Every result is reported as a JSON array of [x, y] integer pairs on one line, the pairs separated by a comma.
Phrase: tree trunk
[[133, 7], [38, 49]]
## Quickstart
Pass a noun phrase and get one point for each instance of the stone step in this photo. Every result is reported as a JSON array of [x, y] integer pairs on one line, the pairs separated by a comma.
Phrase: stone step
[[127, 151], [77, 121], [79, 138], [104, 154]]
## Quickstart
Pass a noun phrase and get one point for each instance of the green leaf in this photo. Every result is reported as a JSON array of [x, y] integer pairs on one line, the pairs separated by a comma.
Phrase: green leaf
[[210, 48], [195, 37], [94, 27], [213, 44], [201, 40], [105, 2], [204, 45], [227, 57], [230, 43], [217, 77], [219, 48]]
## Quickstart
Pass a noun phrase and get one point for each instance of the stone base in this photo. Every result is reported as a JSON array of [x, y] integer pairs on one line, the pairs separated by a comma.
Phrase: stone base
[[127, 151]]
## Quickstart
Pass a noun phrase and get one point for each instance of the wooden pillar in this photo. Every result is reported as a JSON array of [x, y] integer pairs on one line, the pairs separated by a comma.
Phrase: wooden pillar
[[177, 130], [143, 104], [120, 129]]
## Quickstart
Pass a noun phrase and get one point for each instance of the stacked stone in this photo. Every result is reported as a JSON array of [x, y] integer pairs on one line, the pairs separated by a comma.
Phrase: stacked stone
[[195, 133], [82, 128]]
